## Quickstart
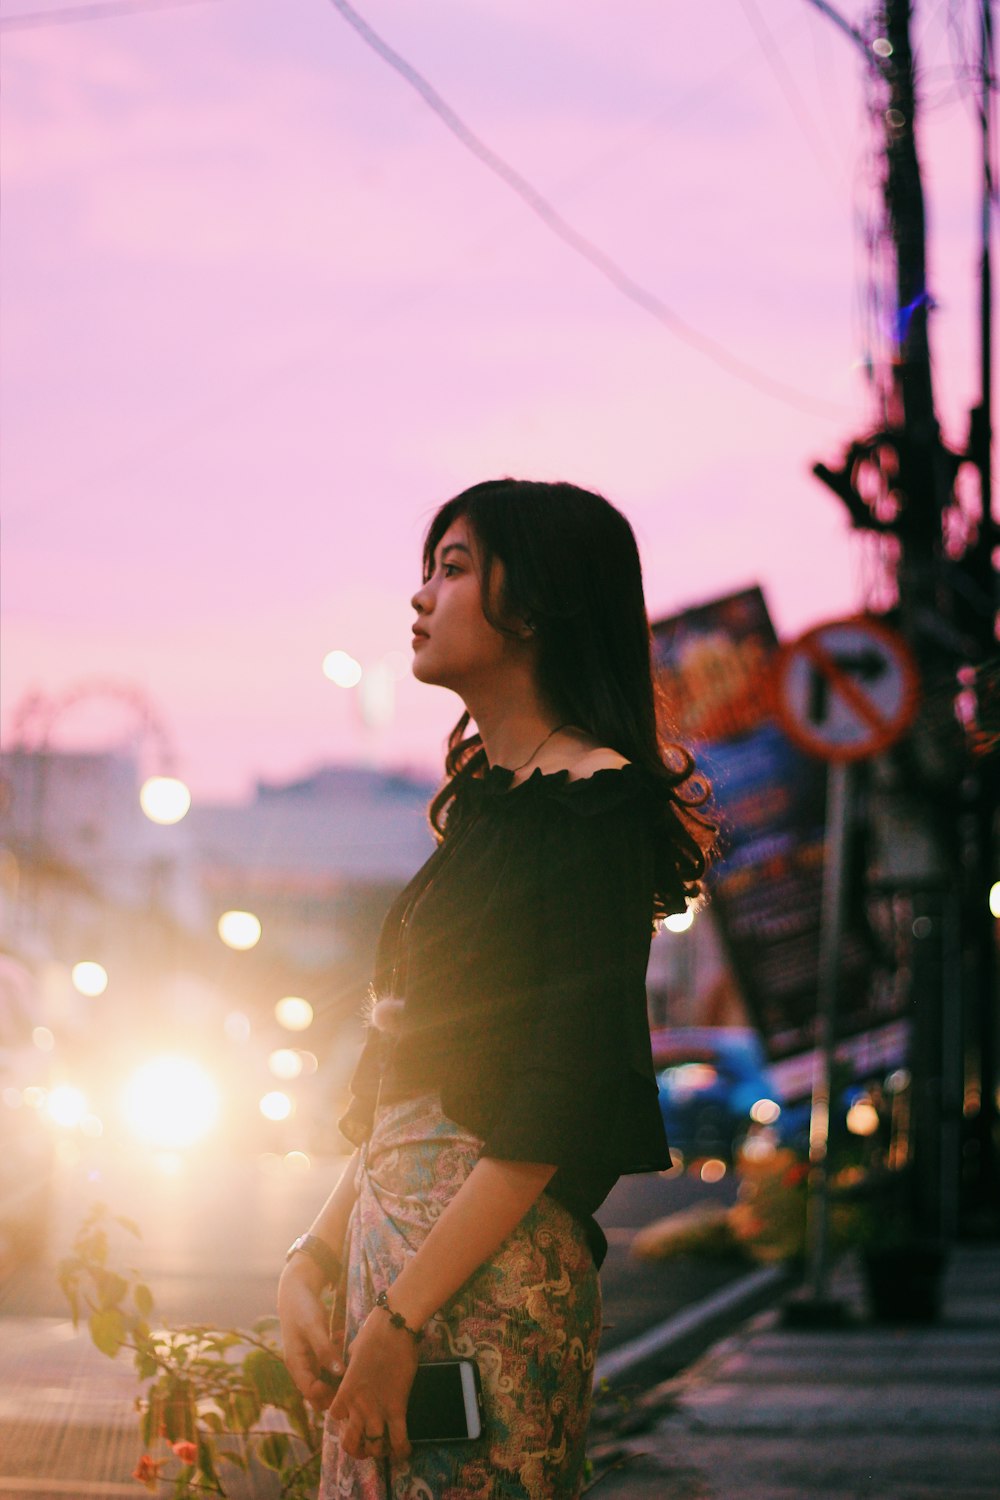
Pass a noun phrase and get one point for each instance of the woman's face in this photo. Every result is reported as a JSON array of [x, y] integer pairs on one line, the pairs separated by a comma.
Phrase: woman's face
[[454, 645]]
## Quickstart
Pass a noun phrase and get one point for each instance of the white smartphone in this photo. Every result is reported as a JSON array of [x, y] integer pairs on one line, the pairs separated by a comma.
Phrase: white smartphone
[[446, 1402]]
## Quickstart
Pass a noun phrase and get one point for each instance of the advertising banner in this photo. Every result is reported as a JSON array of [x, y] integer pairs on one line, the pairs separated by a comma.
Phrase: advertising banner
[[713, 664]]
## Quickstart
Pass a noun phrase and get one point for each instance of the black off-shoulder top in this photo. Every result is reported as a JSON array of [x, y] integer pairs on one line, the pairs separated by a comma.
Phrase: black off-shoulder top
[[521, 948]]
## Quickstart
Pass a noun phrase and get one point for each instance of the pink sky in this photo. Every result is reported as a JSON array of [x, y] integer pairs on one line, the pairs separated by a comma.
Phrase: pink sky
[[261, 313]]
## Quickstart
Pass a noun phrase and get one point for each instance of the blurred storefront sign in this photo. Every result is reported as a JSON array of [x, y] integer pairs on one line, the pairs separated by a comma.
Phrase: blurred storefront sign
[[714, 664]]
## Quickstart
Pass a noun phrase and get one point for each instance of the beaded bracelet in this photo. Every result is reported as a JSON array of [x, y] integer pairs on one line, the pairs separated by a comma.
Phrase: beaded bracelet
[[396, 1319]]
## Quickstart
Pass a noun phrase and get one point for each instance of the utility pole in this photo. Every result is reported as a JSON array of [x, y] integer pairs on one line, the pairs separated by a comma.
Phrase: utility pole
[[946, 610], [983, 1171]]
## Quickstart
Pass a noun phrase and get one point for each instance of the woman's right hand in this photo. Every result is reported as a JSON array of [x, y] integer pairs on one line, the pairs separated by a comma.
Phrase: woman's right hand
[[305, 1337]]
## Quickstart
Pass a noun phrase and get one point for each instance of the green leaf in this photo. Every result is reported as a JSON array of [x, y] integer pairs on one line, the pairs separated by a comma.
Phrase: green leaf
[[273, 1450], [179, 1414], [93, 1247], [206, 1463], [244, 1409], [214, 1421], [269, 1377], [146, 1364], [143, 1299], [220, 1342], [266, 1324], [111, 1288], [107, 1329], [299, 1417]]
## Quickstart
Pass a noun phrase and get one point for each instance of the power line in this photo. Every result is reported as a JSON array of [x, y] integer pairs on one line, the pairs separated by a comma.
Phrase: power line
[[856, 36], [71, 15], [786, 82], [540, 206]]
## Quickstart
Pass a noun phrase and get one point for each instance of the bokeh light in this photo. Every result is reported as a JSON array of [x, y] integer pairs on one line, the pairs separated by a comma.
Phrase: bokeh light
[[89, 979], [712, 1170], [342, 669], [995, 898], [765, 1112], [294, 1013], [164, 799], [862, 1117], [237, 1027], [43, 1039], [168, 1163], [297, 1161], [170, 1103], [285, 1063], [66, 1105], [679, 921], [239, 929], [758, 1147], [276, 1105]]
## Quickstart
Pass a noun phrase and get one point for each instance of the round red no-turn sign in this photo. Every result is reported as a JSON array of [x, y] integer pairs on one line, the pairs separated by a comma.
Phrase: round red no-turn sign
[[846, 690]]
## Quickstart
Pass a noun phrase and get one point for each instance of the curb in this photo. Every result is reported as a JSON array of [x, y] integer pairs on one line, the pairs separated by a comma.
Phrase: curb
[[667, 1339]]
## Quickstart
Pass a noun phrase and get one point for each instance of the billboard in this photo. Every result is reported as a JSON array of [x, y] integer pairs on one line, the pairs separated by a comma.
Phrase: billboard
[[714, 665]]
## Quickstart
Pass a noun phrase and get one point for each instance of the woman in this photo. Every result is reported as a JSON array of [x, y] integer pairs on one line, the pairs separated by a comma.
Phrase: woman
[[507, 1079]]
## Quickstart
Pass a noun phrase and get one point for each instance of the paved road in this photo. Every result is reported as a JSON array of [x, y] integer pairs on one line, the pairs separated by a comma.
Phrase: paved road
[[213, 1236]]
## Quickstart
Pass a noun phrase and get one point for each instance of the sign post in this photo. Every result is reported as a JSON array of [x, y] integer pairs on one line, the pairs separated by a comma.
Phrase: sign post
[[844, 691]]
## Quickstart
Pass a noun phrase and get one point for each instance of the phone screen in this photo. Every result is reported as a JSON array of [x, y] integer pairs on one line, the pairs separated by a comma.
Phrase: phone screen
[[436, 1410]]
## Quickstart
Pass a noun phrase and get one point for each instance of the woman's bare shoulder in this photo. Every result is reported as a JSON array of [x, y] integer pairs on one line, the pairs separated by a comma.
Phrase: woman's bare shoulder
[[600, 758]]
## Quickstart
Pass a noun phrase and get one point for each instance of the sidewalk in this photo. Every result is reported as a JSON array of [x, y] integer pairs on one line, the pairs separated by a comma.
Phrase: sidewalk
[[862, 1413]]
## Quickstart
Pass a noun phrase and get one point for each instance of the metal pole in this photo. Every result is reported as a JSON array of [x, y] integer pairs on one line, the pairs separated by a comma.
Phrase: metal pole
[[831, 935], [984, 1204]]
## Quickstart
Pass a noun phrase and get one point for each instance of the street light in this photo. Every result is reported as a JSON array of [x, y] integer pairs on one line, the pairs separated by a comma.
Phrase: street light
[[90, 979], [376, 684], [164, 799], [239, 929], [294, 1013], [285, 1063], [342, 668]]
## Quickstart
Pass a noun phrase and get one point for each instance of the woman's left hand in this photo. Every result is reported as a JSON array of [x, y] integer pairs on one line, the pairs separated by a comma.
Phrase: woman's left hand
[[371, 1401]]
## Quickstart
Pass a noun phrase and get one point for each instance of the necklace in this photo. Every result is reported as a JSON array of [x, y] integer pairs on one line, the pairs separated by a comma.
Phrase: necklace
[[551, 735]]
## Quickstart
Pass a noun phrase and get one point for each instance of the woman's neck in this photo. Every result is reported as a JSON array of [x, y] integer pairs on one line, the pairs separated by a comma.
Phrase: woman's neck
[[512, 724]]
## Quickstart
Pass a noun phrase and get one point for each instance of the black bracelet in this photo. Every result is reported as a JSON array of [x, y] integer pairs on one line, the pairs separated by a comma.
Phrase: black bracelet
[[396, 1319]]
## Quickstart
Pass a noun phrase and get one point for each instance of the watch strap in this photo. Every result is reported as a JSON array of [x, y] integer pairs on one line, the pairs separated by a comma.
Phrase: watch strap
[[319, 1251]]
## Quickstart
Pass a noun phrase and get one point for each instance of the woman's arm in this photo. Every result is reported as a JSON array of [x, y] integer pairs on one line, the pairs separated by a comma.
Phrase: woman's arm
[[383, 1359], [304, 1334]]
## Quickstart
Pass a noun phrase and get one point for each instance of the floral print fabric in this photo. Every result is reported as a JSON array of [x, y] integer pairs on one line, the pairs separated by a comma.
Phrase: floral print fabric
[[530, 1316]]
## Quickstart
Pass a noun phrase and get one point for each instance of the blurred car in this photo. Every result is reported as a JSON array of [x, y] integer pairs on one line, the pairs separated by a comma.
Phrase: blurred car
[[715, 1089]]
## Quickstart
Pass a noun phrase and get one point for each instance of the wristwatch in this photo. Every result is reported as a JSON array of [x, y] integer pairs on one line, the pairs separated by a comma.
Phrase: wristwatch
[[319, 1251]]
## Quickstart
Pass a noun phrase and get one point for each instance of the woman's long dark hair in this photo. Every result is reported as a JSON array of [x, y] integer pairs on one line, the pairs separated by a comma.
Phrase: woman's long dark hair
[[571, 568]]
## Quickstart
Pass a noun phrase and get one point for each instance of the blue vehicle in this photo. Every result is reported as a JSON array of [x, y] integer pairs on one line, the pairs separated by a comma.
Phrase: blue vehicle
[[715, 1088]]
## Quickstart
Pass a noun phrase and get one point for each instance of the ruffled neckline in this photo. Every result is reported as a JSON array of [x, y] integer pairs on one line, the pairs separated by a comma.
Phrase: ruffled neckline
[[603, 788]]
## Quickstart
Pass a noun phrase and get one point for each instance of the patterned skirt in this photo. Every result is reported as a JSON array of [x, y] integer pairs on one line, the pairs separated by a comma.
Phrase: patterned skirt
[[530, 1316]]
